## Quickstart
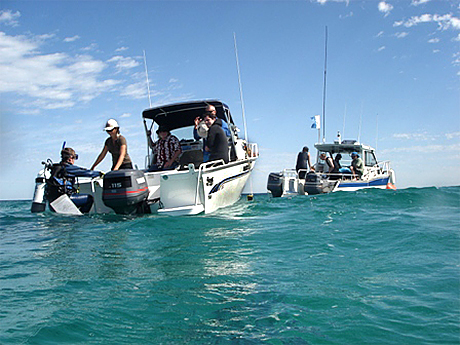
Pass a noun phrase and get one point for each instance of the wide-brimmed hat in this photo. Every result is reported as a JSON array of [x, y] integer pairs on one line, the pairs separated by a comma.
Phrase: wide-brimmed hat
[[111, 124], [162, 128]]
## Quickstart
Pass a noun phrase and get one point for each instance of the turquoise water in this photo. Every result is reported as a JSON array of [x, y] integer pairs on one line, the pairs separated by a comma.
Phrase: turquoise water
[[366, 267]]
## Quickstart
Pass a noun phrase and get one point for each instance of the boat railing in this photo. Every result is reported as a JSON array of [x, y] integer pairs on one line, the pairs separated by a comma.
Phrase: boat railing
[[252, 149]]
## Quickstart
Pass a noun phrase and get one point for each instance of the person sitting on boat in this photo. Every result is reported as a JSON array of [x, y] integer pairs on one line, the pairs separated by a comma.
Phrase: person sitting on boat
[[166, 149], [329, 162], [116, 144], [216, 141], [68, 157], [357, 165], [303, 162], [335, 172]]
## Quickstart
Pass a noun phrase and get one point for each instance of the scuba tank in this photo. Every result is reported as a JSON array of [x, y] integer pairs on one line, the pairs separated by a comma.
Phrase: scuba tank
[[39, 201]]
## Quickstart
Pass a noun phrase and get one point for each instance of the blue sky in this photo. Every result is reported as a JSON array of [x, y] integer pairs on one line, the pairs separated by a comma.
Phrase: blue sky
[[68, 66]]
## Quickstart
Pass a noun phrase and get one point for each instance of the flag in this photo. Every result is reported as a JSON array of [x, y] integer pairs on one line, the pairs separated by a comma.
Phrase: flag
[[316, 122]]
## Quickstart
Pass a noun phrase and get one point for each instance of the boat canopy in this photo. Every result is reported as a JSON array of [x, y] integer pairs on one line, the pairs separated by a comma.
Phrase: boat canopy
[[347, 146], [179, 115]]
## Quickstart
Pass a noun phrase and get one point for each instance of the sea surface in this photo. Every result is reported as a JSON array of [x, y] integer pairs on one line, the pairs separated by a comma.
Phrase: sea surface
[[366, 267]]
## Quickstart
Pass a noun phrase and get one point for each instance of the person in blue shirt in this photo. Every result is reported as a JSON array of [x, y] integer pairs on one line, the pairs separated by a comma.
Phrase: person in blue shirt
[[68, 157]]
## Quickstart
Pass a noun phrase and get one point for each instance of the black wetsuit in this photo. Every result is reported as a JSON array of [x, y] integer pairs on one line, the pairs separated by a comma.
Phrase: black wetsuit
[[217, 142]]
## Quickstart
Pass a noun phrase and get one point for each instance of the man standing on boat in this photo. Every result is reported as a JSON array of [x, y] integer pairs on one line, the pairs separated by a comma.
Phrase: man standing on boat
[[216, 141], [303, 162]]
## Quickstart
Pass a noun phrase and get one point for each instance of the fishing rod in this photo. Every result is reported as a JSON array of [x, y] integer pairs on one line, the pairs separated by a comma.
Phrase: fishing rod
[[250, 197]]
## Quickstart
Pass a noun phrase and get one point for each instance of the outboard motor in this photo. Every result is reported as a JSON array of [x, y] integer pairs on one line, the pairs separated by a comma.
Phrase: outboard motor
[[126, 191], [275, 184], [39, 201], [317, 184]]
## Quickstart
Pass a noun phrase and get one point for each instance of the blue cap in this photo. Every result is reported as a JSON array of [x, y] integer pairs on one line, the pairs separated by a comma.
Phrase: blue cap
[[354, 154]]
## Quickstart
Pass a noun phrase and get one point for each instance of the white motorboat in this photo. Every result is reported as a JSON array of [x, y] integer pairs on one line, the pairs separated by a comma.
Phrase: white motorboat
[[319, 180], [194, 187]]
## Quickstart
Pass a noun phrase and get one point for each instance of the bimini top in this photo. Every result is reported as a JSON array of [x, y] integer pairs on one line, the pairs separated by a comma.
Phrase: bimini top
[[179, 115], [347, 146]]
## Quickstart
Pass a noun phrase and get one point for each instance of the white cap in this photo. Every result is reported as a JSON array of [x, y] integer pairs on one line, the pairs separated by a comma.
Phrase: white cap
[[111, 124]]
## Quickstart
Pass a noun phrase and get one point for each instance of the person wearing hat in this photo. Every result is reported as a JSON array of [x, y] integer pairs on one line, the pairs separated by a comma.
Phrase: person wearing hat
[[166, 149], [357, 165], [303, 162], [68, 157], [116, 144]]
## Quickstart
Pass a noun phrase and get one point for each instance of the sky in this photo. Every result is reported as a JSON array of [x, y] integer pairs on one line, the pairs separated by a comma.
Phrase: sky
[[393, 72]]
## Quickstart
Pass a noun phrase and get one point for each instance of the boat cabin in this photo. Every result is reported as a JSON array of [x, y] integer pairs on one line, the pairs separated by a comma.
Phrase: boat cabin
[[345, 148], [179, 119]]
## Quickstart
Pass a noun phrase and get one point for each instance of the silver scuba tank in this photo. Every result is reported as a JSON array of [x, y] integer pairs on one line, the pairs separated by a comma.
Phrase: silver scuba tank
[[39, 202]]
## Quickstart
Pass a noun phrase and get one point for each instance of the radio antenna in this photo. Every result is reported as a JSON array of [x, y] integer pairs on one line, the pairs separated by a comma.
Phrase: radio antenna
[[147, 79], [250, 197], [324, 87], [241, 88]]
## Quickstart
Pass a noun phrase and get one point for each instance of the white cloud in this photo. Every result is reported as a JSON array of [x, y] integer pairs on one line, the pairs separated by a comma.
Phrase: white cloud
[[123, 63], [401, 34], [457, 39], [136, 90], [381, 48], [415, 136], [71, 39], [453, 135], [322, 2], [419, 2], [380, 34], [385, 7], [125, 115], [426, 149], [434, 40], [91, 47], [121, 49], [444, 22], [7, 17], [52, 80]]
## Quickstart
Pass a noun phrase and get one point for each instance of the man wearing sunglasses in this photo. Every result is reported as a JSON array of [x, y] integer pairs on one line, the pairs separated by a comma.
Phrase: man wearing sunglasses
[[68, 157]]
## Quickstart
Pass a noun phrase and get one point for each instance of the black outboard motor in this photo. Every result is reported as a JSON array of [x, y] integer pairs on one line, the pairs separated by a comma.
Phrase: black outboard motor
[[275, 184], [317, 184], [126, 191]]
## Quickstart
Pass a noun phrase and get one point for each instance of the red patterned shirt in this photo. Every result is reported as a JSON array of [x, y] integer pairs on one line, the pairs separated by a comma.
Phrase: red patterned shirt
[[166, 148]]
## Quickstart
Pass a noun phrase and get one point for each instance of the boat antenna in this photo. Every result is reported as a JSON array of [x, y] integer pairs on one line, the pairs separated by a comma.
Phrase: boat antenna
[[377, 131], [324, 87], [150, 105], [360, 120], [147, 79], [241, 88], [250, 197]]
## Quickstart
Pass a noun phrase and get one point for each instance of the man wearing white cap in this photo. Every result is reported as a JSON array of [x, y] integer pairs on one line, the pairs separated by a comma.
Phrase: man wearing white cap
[[116, 144]]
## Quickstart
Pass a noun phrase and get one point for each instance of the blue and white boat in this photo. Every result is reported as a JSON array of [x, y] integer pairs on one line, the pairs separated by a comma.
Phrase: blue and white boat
[[319, 180]]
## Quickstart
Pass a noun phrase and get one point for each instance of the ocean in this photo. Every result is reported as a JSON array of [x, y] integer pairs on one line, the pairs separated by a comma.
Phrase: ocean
[[365, 267]]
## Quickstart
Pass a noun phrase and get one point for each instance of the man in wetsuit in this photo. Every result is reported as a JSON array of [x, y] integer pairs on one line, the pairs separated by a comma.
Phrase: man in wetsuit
[[216, 141]]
